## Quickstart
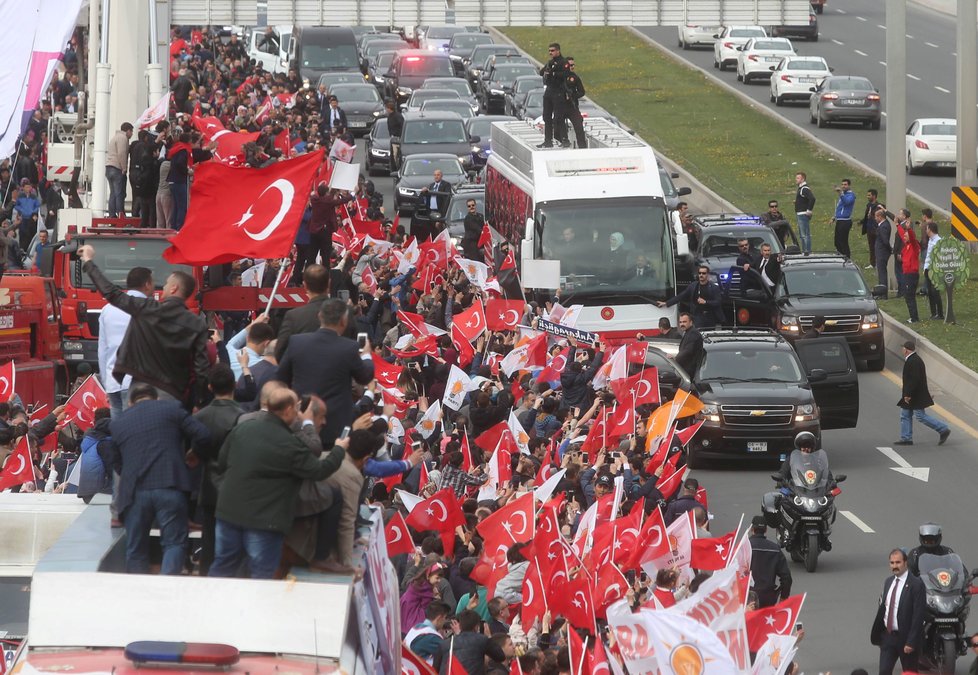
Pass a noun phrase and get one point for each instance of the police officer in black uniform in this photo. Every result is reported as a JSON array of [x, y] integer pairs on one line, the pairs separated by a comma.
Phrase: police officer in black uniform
[[554, 73], [574, 93], [768, 566]]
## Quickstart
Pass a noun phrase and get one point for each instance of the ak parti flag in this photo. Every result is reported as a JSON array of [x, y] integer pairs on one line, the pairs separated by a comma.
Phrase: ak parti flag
[[244, 213]]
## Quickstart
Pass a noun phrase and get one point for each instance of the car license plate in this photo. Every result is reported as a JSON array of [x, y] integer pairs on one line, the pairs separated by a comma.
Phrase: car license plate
[[358, 124], [945, 165], [772, 59], [806, 80], [851, 101], [757, 446]]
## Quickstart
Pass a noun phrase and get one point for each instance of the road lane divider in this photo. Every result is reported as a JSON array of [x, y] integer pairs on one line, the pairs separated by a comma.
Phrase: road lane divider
[[921, 473], [857, 521]]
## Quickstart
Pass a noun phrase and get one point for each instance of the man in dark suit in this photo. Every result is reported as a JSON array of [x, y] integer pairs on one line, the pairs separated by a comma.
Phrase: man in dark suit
[[769, 266], [916, 398], [304, 319], [882, 245], [691, 346], [703, 298], [433, 197], [333, 115], [323, 363], [899, 623], [147, 450], [642, 268], [746, 256]]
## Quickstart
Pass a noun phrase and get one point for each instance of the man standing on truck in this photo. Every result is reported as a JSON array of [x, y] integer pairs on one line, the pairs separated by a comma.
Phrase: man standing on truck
[[166, 343], [112, 326], [554, 105]]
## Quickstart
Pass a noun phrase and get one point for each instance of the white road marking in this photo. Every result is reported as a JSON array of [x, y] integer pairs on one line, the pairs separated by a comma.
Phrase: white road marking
[[883, 63], [881, 27], [858, 522], [903, 466], [860, 53], [861, 18], [840, 11], [913, 77], [883, 114], [837, 42], [931, 44], [909, 37], [942, 89]]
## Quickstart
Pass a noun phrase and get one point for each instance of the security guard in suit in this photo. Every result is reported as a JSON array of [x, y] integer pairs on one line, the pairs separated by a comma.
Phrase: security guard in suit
[[573, 94], [768, 566], [554, 102]]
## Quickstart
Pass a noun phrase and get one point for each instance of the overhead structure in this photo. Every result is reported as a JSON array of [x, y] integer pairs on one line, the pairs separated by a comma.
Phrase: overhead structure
[[493, 12]]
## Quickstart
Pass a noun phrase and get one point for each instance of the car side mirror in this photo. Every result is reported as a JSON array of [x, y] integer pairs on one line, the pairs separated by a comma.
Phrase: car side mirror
[[395, 175], [776, 477], [772, 68], [974, 573], [831, 70], [841, 478], [812, 89], [674, 174], [716, 36], [739, 49], [364, 66], [683, 191], [817, 375], [475, 139]]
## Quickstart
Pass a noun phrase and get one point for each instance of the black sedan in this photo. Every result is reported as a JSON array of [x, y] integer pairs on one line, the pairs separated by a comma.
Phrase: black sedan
[[362, 105], [481, 128], [417, 172], [379, 148], [434, 132]]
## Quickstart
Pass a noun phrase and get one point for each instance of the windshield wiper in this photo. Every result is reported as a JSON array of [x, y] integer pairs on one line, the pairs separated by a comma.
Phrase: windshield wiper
[[768, 379], [827, 294], [721, 378]]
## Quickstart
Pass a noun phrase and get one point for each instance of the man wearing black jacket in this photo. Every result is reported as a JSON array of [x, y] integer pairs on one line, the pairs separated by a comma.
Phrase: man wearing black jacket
[[804, 206], [304, 319], [703, 299], [899, 624], [166, 344], [469, 647], [869, 224], [574, 93], [916, 398], [768, 566], [576, 378], [691, 346], [554, 73]]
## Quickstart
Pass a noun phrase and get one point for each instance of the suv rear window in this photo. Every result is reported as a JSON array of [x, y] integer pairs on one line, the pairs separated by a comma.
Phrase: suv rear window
[[426, 66]]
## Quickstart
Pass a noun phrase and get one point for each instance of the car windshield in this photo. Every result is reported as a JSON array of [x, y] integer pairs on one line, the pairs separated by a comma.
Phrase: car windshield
[[375, 47], [750, 364], [942, 573], [725, 243], [116, 256], [601, 243], [443, 32], [470, 40], [458, 209], [773, 45], [426, 167], [747, 32], [362, 94], [385, 59], [480, 53], [421, 95], [481, 127], [331, 79], [426, 66], [668, 187], [329, 57], [834, 282], [458, 85], [806, 65], [939, 129], [534, 99], [528, 84], [851, 84], [434, 131]]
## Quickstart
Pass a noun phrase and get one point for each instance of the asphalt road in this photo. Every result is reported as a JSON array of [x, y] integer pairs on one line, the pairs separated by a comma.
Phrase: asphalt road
[[853, 41]]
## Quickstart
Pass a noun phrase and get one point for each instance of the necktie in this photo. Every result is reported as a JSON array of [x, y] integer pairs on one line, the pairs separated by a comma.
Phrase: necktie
[[891, 614], [639, 271], [763, 263]]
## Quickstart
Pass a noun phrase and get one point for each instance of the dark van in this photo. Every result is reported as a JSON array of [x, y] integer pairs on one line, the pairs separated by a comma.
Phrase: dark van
[[411, 67], [315, 50]]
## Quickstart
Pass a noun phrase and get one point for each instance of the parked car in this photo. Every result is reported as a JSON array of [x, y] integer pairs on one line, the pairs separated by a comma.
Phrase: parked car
[[845, 98]]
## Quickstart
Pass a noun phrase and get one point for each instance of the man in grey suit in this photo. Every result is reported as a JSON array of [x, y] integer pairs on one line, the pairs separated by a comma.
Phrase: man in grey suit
[[304, 319], [323, 363]]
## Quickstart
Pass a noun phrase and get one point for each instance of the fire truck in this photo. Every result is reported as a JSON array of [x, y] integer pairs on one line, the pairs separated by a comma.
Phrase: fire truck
[[119, 246]]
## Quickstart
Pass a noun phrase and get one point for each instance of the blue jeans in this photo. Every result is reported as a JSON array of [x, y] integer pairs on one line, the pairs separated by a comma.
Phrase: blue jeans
[[168, 508], [805, 232], [263, 550], [179, 192], [119, 401], [907, 417], [117, 191]]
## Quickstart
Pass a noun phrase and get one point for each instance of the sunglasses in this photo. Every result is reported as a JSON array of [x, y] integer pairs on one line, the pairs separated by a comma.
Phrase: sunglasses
[[703, 274]]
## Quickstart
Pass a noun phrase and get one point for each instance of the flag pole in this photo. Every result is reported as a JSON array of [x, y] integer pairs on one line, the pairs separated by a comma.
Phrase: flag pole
[[278, 280]]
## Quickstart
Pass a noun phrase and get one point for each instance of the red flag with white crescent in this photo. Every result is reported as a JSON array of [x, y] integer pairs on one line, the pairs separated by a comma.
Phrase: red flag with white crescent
[[398, 536], [778, 619], [8, 381], [81, 405], [19, 468]]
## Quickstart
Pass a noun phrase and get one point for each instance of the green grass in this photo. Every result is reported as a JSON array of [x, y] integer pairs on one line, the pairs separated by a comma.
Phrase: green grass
[[734, 149]]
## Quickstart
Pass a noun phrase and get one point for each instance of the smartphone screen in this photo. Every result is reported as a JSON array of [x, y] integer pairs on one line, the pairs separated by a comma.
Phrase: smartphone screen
[[344, 433], [361, 340]]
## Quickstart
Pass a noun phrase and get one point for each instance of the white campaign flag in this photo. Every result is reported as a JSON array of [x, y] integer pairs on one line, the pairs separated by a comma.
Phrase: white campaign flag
[[522, 438], [155, 113], [253, 275], [675, 644], [430, 419], [546, 490], [775, 655], [476, 272], [682, 531], [409, 500], [395, 430], [457, 386]]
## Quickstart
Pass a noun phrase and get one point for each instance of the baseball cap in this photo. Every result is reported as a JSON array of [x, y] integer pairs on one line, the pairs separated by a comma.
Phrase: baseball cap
[[758, 521], [605, 480]]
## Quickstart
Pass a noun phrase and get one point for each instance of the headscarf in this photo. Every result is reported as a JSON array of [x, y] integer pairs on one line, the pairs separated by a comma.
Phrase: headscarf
[[617, 239]]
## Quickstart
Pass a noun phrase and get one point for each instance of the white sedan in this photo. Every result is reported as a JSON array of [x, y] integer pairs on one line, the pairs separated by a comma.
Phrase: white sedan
[[727, 41], [691, 35], [796, 77], [755, 58], [932, 143]]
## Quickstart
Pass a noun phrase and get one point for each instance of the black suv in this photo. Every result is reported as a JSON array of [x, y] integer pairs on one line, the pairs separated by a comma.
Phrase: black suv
[[827, 285], [759, 392]]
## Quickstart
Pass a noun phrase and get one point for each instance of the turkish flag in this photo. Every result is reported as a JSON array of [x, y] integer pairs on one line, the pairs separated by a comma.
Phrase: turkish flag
[[472, 322], [386, 373], [711, 554], [440, 512], [8, 381], [576, 602], [508, 263], [534, 597], [610, 587], [466, 454], [413, 322], [283, 144], [427, 344], [412, 664], [546, 548], [244, 213], [489, 438], [597, 434], [672, 476], [81, 405], [653, 542], [397, 536], [639, 389], [462, 345], [635, 352], [504, 314], [434, 253], [555, 368], [686, 435], [18, 469], [208, 126], [230, 147], [622, 420], [491, 568], [512, 524], [577, 654], [369, 279], [777, 619], [368, 228], [529, 354]]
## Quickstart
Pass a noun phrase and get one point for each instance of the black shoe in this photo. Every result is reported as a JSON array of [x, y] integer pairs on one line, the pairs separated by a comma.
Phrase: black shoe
[[565, 144], [546, 145], [902, 442], [944, 435]]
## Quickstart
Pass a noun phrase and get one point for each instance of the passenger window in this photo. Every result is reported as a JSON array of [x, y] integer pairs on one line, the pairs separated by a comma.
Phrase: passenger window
[[830, 357]]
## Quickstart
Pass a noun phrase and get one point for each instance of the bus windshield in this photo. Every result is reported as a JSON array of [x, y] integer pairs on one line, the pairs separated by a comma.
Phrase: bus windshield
[[608, 250]]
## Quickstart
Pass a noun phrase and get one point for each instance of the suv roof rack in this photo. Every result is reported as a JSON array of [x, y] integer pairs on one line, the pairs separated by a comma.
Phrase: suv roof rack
[[815, 258], [742, 335]]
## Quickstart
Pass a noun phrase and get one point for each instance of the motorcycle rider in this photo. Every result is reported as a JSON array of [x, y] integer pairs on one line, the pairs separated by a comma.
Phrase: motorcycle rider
[[805, 443], [930, 536]]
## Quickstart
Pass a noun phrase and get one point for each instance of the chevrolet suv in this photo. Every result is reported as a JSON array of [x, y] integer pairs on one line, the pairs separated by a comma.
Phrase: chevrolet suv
[[759, 392], [827, 285]]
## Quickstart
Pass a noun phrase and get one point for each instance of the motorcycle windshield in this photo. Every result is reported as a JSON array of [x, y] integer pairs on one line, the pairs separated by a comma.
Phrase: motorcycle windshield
[[809, 470], [942, 574]]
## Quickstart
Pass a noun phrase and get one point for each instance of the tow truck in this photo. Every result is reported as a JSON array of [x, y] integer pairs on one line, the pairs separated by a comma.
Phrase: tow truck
[[119, 246]]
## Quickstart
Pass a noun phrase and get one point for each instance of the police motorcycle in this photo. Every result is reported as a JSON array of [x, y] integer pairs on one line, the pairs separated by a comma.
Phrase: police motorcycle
[[948, 592], [802, 510]]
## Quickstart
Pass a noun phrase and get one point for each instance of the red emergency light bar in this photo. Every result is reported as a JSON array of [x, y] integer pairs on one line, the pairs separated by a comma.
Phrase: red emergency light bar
[[191, 653]]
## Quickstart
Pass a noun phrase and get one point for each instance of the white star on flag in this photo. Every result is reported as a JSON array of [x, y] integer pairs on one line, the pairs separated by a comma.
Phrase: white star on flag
[[720, 549]]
